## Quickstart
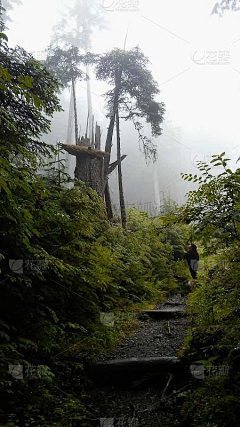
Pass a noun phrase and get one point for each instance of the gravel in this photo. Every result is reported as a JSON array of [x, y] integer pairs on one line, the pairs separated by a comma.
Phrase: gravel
[[154, 338], [126, 403]]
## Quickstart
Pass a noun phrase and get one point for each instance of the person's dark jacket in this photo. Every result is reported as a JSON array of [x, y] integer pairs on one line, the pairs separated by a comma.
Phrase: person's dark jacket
[[191, 255]]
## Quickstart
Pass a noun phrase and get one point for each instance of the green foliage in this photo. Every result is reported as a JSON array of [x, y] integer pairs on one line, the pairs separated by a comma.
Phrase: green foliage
[[65, 64], [137, 92], [62, 264], [54, 313], [213, 404], [27, 98], [213, 306], [214, 207]]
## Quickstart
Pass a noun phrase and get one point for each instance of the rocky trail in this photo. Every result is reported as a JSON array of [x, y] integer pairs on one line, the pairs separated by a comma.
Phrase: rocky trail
[[140, 383]]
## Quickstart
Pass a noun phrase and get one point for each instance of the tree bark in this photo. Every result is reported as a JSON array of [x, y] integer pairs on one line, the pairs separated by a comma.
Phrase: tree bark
[[108, 202], [75, 111], [90, 110], [113, 165], [70, 119], [108, 145], [120, 182]]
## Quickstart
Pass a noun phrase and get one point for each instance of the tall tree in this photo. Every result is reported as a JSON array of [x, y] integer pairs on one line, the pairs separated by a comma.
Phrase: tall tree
[[76, 29], [120, 180], [27, 101], [132, 98], [6, 6], [66, 66]]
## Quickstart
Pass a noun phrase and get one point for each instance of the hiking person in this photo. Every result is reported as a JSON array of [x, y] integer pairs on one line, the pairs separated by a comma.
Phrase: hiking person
[[192, 258]]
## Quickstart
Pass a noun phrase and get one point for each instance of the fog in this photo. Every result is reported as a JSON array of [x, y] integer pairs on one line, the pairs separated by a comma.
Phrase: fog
[[194, 58]]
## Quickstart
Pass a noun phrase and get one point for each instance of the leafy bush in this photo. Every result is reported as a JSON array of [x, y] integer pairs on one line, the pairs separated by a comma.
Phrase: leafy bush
[[213, 307], [85, 266]]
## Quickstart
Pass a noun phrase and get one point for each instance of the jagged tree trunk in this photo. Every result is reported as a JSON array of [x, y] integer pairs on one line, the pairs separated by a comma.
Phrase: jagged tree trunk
[[90, 109], [70, 119], [108, 145], [108, 202], [70, 130], [120, 181], [75, 111]]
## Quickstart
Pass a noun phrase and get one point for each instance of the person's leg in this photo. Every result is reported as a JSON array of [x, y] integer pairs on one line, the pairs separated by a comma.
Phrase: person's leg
[[193, 273]]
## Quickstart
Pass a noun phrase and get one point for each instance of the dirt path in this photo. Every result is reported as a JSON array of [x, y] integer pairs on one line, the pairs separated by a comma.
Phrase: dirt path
[[147, 399]]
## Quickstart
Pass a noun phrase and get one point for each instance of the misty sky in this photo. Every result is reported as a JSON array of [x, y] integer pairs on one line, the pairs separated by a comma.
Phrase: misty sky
[[195, 59]]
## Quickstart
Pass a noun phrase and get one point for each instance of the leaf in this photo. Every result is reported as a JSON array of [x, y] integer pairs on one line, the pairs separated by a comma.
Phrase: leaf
[[4, 185], [3, 36], [28, 82], [211, 359], [28, 97]]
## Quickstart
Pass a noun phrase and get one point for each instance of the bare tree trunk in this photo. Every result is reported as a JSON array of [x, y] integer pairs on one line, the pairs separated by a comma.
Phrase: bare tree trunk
[[75, 111], [120, 182], [108, 145], [108, 202], [70, 119], [69, 132], [90, 109]]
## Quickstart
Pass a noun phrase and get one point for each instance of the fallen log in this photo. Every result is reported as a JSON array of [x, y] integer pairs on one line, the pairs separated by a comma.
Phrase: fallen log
[[135, 365], [172, 304], [167, 313]]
